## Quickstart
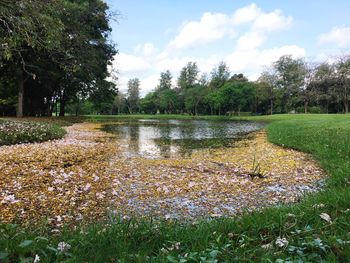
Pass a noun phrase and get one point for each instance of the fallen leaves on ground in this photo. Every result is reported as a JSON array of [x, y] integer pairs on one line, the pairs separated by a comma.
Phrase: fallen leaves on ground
[[86, 174]]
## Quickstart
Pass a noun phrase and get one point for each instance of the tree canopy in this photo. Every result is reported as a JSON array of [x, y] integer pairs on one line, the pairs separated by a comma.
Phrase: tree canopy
[[58, 52]]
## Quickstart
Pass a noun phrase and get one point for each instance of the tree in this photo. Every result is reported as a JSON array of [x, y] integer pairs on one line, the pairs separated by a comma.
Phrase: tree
[[266, 85], [193, 96], [102, 97], [60, 49], [147, 104], [188, 76], [290, 75], [133, 94], [219, 75], [322, 83], [120, 102], [237, 96], [165, 81], [342, 77], [27, 27], [168, 100]]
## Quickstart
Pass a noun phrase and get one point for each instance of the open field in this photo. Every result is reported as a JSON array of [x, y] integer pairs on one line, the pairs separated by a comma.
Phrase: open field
[[313, 230]]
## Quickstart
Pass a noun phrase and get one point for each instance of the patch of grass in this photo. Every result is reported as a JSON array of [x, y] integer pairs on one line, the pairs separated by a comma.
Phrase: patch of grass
[[301, 234], [16, 132]]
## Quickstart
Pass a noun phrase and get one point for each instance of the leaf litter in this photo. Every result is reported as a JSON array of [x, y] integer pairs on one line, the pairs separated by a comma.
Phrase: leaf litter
[[86, 176]]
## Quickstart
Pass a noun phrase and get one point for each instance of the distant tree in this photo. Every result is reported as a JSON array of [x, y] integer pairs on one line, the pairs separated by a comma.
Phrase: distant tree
[[266, 88], [237, 96], [147, 104], [219, 75], [322, 83], [120, 102], [168, 100], [133, 94], [342, 81], [238, 77], [164, 81], [188, 76], [102, 97], [291, 75], [194, 96]]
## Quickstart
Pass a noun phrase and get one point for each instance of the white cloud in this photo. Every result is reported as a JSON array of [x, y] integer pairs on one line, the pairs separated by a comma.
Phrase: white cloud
[[339, 36], [148, 84], [268, 56], [272, 21], [127, 63], [246, 14], [251, 40], [251, 62], [146, 49], [212, 26]]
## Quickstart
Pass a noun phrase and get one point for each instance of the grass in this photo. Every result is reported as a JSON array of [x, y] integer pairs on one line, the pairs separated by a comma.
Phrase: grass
[[248, 238], [16, 132]]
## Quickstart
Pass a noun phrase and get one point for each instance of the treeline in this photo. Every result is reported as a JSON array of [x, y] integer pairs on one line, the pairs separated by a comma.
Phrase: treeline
[[289, 85], [53, 53]]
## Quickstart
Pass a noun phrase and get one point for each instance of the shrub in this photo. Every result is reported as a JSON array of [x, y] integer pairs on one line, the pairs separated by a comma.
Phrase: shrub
[[16, 132]]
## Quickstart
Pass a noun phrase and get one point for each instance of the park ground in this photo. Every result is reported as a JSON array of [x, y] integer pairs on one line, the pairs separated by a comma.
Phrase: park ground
[[315, 229]]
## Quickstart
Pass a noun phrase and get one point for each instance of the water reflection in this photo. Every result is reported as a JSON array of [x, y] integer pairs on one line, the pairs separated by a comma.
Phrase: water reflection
[[170, 138]]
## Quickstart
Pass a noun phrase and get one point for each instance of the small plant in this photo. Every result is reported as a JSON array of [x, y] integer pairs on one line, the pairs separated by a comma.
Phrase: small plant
[[256, 169]]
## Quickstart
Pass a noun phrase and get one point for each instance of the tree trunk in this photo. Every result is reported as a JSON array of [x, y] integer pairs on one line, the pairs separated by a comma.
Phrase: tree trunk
[[19, 112], [346, 105], [305, 106], [271, 107], [62, 108]]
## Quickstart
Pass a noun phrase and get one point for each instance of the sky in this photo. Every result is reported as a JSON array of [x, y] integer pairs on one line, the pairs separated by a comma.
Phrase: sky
[[153, 36]]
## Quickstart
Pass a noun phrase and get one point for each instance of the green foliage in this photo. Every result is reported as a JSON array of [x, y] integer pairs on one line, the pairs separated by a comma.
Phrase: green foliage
[[56, 52]]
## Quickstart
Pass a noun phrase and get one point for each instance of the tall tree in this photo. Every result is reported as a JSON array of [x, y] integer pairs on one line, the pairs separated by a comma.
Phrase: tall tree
[[342, 77], [27, 27], [165, 81], [188, 76], [219, 75], [267, 81], [133, 94], [290, 74]]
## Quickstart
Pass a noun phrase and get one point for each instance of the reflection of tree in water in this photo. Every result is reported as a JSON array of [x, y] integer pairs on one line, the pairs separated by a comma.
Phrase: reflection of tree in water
[[167, 139], [164, 144], [134, 138]]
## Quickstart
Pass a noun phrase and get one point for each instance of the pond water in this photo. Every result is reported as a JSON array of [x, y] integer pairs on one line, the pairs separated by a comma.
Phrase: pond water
[[174, 138]]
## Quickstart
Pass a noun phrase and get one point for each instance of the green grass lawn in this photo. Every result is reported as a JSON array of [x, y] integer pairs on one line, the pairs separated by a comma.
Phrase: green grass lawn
[[249, 238]]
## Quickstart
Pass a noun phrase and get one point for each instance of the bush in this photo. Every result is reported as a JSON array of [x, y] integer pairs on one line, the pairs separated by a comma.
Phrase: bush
[[15, 132]]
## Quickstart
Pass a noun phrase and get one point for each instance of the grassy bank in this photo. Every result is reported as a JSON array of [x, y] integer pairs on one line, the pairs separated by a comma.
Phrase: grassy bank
[[15, 132], [314, 230]]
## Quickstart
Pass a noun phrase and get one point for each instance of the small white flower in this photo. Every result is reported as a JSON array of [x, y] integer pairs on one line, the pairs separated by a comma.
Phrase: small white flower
[[50, 189], [281, 242], [63, 246], [36, 259]]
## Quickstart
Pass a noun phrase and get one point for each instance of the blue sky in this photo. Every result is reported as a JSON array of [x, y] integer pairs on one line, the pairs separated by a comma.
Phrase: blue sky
[[156, 35]]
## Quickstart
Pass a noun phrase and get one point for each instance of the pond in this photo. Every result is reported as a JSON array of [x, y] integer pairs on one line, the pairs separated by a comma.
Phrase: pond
[[173, 138]]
